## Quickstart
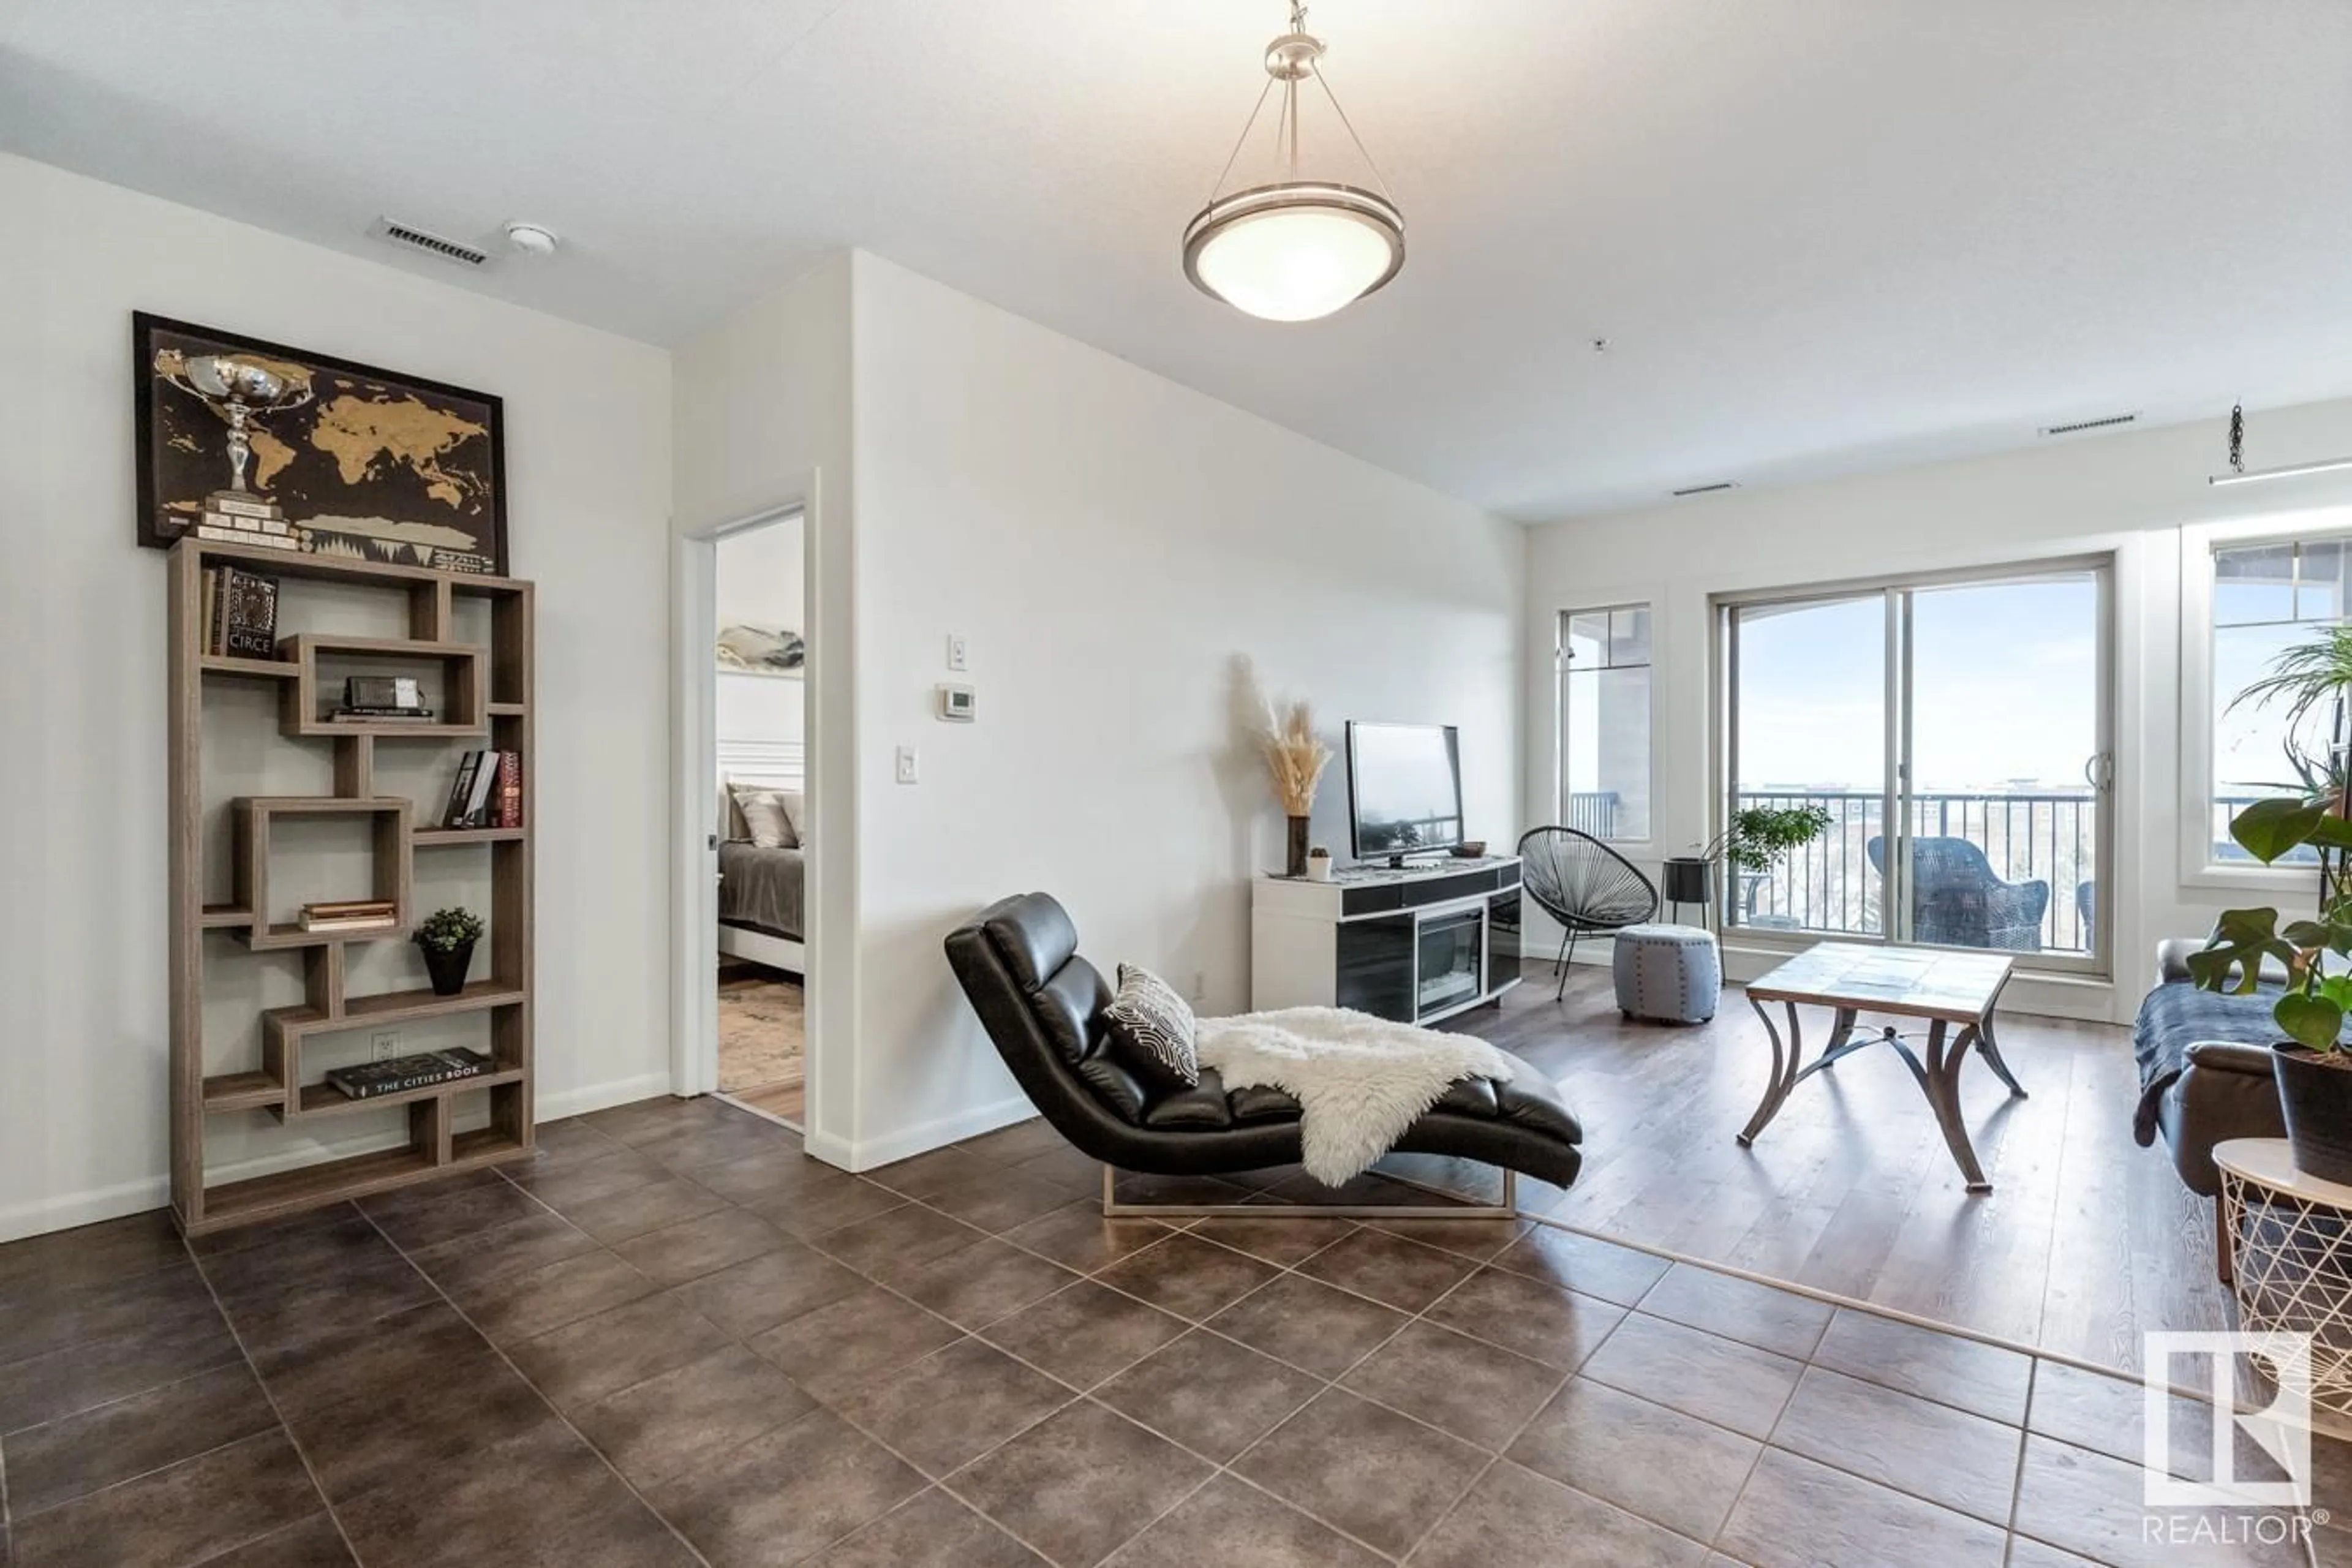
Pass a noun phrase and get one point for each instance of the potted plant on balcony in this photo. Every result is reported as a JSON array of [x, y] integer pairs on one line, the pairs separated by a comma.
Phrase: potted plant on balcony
[[1758, 838], [2312, 1066]]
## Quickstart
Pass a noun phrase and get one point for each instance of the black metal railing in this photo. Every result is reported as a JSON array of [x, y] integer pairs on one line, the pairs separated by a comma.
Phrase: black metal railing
[[1831, 885], [1593, 812]]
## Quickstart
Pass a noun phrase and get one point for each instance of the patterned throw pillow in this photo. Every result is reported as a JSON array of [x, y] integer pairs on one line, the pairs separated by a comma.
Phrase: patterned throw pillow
[[1151, 1031]]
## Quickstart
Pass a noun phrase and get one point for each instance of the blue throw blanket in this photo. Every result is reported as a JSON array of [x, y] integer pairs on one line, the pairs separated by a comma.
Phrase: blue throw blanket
[[2176, 1015]]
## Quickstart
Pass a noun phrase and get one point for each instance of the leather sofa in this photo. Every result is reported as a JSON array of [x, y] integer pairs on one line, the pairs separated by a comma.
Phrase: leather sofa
[[1043, 1005], [2204, 1066]]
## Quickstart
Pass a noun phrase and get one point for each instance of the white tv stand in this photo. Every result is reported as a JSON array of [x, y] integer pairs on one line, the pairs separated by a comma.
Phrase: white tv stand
[[1420, 944]]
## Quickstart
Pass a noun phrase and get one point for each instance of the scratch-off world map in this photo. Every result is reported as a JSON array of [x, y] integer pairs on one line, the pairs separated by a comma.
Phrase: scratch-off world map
[[375, 468]]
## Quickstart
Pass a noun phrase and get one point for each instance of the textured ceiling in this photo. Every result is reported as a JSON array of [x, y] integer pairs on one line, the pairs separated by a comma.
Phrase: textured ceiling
[[1821, 235]]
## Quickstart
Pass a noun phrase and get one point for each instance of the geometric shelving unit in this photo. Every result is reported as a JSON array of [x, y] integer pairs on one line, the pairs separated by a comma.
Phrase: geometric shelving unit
[[485, 699]]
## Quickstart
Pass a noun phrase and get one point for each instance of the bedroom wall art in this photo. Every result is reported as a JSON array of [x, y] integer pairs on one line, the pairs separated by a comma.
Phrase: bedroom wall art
[[762, 650]]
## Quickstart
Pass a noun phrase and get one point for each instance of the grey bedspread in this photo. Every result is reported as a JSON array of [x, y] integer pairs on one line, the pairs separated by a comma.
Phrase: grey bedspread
[[765, 889]]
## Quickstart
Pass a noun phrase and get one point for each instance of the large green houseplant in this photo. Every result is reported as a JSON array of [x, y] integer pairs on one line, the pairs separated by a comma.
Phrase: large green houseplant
[[1758, 839], [2312, 1065]]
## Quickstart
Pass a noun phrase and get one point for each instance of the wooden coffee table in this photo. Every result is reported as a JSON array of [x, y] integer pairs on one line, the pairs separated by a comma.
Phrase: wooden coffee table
[[1939, 987]]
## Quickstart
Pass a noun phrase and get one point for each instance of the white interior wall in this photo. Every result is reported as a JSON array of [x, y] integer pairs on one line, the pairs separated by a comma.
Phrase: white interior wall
[[1109, 543], [82, 851], [2132, 493], [762, 420], [758, 584]]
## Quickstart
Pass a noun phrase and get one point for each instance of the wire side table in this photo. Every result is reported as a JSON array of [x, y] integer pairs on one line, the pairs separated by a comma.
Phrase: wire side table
[[2291, 1253]]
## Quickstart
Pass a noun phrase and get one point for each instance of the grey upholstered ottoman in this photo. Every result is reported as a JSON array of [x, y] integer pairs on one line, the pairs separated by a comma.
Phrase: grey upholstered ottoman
[[1672, 975]]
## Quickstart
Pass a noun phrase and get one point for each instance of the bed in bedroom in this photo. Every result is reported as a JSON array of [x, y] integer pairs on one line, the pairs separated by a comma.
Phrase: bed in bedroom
[[763, 861], [761, 909]]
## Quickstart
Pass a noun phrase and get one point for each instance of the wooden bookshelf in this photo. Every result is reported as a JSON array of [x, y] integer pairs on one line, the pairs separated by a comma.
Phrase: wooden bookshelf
[[485, 696]]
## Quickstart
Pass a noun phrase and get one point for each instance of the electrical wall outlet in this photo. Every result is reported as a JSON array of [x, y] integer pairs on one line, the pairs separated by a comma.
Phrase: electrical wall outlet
[[1199, 986], [382, 1046]]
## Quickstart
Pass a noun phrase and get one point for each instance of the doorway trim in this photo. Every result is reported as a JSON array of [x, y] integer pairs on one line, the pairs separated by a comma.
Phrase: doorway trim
[[694, 746]]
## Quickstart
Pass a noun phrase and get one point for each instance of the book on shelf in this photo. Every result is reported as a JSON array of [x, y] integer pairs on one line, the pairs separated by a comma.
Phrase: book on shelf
[[348, 922], [374, 715], [506, 810], [350, 907], [240, 612], [461, 791], [477, 793], [486, 791], [398, 1075]]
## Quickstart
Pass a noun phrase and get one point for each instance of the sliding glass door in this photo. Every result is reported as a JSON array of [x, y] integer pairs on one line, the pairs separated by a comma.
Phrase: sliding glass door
[[1955, 732]]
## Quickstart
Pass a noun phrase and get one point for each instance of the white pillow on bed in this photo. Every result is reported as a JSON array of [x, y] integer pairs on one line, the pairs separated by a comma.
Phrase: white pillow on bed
[[772, 816]]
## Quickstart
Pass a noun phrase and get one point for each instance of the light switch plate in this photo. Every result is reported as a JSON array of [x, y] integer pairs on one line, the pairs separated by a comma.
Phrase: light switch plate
[[910, 765], [958, 655]]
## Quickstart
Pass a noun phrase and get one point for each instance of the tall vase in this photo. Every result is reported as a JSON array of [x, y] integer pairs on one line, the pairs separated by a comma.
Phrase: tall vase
[[1295, 866]]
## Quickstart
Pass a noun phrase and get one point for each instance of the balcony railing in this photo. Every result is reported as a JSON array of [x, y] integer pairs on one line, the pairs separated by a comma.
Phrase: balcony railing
[[1829, 885]]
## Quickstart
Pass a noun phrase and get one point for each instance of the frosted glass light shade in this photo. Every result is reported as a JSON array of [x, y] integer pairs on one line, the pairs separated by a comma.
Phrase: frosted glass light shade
[[1294, 252]]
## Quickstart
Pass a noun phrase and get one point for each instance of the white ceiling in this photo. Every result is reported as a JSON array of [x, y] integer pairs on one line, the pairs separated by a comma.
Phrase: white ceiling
[[1821, 235]]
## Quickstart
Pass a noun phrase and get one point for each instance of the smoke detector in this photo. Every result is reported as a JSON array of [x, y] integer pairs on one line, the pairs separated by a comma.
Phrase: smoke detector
[[410, 237], [531, 239]]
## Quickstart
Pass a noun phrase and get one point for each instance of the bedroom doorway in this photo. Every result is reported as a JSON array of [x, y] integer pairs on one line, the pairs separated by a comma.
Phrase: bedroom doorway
[[758, 781]]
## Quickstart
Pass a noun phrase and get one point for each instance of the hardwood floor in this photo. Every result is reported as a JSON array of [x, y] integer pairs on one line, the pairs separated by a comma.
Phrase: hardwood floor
[[2085, 1242], [787, 1102]]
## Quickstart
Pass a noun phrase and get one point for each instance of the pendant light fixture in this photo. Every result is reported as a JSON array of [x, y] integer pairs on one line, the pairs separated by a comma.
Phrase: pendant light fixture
[[1298, 248], [2238, 475]]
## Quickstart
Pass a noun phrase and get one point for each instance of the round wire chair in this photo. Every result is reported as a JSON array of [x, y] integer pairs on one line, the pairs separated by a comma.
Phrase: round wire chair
[[1584, 885]]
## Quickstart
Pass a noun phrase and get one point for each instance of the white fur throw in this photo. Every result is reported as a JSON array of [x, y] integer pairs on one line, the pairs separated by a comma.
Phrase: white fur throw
[[1359, 1080]]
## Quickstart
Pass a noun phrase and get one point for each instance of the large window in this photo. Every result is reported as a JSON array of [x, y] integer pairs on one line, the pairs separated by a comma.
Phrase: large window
[[1604, 721], [2267, 597], [1954, 733]]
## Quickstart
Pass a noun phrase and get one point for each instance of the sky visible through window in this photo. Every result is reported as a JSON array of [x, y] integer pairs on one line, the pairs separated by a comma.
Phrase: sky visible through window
[[2004, 688]]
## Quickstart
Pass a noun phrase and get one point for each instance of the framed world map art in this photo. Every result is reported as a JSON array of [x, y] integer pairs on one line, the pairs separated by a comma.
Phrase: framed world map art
[[255, 443]]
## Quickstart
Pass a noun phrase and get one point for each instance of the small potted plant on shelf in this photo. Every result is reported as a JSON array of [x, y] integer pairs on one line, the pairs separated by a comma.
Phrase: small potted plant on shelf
[[447, 937], [1759, 837], [2311, 1066], [1318, 863]]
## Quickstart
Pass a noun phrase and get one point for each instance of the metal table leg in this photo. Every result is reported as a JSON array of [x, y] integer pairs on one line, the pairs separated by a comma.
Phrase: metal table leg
[[1784, 1070], [1942, 1082]]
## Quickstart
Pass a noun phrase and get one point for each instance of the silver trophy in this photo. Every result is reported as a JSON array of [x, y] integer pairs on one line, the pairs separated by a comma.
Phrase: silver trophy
[[240, 391]]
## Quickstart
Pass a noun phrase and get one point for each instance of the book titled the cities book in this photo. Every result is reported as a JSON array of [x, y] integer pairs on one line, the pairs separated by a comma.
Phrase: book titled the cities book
[[398, 1075]]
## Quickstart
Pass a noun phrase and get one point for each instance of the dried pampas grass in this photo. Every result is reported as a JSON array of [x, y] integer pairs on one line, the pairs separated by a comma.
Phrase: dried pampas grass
[[1295, 754]]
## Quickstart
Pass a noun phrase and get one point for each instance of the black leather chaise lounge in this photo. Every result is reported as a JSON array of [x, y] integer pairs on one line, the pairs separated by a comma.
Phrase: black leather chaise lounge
[[1043, 1005]]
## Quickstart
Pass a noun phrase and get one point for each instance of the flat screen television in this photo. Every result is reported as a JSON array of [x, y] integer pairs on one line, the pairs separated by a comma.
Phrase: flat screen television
[[1404, 790]]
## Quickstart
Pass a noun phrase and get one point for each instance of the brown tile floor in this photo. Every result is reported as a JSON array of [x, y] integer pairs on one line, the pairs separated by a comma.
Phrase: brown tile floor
[[671, 1339]]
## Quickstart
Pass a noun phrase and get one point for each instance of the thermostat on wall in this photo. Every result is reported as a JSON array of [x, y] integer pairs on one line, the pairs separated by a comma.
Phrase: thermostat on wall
[[956, 702]]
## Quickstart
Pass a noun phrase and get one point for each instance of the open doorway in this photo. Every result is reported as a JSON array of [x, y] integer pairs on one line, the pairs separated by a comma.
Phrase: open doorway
[[760, 713]]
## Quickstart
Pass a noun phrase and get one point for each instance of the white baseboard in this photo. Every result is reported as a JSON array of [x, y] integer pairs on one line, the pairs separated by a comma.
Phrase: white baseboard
[[602, 1096], [923, 1137], [38, 1216], [833, 1150]]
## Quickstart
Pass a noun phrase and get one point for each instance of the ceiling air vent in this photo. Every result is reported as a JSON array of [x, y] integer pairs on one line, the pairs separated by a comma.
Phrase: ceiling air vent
[[2109, 423], [432, 244], [1706, 490]]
